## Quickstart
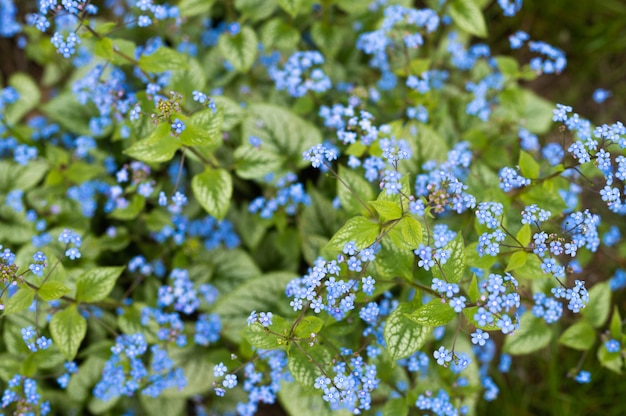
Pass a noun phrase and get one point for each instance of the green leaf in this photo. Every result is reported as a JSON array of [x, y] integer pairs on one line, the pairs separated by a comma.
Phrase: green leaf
[[104, 48], [198, 372], [537, 112], [454, 269], [305, 366], [255, 9], [163, 59], [69, 113], [29, 97], [264, 293], [282, 132], [403, 335], [358, 229], [523, 235], [213, 189], [473, 259], [517, 260], [469, 313], [353, 191], [327, 37], [95, 284], [579, 336], [189, 8], [308, 325], [317, 224], [290, 6], [507, 65], [278, 34], [616, 324], [307, 404], [187, 81], [434, 313], [123, 52], [158, 406], [253, 163], [232, 112], [355, 7], [394, 259], [131, 211], [612, 361], [467, 15], [259, 337], [411, 230], [89, 372], [160, 146], [80, 172], [204, 128], [240, 49], [396, 407], [16, 176], [532, 335], [528, 165], [232, 269], [597, 310], [387, 210], [474, 291], [20, 301], [130, 322], [68, 329], [429, 144], [544, 198], [52, 290]]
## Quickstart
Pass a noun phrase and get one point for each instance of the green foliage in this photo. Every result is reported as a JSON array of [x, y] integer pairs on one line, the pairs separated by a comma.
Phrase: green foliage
[[274, 185], [159, 146], [433, 313], [354, 191], [358, 229], [467, 15], [240, 49], [599, 307], [579, 336], [96, 284], [454, 269], [68, 329], [213, 188], [403, 335], [163, 59], [532, 336]]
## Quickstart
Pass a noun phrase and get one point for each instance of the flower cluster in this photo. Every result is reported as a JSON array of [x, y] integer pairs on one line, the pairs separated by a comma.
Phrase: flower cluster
[[351, 386], [294, 78], [23, 392], [400, 25], [290, 194], [498, 300], [41, 343], [125, 373], [351, 124], [324, 276], [442, 186]]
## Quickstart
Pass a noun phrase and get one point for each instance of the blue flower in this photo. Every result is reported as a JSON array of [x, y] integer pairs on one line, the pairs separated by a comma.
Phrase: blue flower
[[583, 377], [72, 253], [479, 337], [612, 346], [265, 318], [600, 95], [443, 356]]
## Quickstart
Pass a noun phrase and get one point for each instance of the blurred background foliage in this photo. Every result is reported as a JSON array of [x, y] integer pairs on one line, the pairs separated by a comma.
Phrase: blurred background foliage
[[592, 34]]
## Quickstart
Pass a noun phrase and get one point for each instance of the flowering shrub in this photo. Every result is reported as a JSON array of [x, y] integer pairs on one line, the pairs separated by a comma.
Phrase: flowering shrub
[[318, 205]]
